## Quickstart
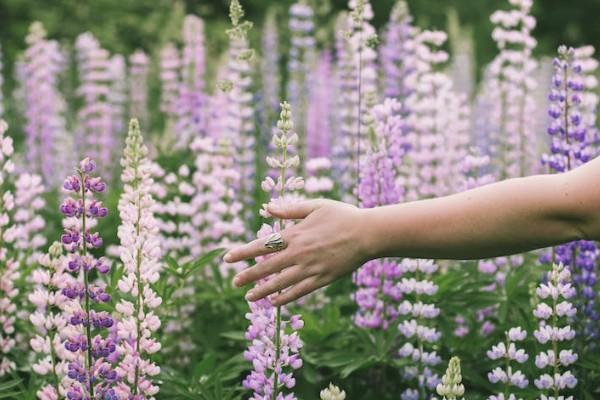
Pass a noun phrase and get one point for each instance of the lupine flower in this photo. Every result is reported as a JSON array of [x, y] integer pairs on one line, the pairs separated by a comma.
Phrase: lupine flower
[[512, 76], [91, 370], [50, 322], [416, 325], [45, 123], [169, 78], [95, 136], [451, 387], [320, 109], [117, 96], [275, 344], [572, 146], [191, 113], [174, 211], [216, 218], [301, 58], [28, 224], [584, 57], [440, 121], [319, 182], [269, 67], [398, 54], [378, 291], [507, 352], [9, 271], [240, 118], [554, 307], [140, 253], [139, 67], [332, 392]]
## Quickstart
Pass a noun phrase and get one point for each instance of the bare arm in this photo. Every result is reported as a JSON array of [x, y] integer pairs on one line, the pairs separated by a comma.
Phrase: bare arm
[[499, 219]]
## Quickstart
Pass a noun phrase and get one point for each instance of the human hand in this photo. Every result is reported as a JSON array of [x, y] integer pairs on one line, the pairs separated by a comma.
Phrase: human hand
[[328, 243]]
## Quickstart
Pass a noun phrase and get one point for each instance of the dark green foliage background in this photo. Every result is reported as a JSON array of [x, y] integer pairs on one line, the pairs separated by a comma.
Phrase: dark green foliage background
[[123, 25]]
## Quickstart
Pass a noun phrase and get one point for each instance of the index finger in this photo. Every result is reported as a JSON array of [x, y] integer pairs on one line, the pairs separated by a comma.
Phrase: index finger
[[254, 249]]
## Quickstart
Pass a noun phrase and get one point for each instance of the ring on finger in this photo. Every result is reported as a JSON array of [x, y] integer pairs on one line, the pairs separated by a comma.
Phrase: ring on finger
[[275, 242]]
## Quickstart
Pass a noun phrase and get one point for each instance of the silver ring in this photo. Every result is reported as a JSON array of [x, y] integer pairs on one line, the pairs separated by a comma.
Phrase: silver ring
[[275, 242]]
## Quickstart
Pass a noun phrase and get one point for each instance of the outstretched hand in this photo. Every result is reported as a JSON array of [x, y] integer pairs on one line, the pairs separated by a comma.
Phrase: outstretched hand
[[326, 244]]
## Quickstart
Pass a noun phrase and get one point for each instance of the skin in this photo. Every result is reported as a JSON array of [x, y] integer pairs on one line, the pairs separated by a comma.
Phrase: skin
[[333, 239]]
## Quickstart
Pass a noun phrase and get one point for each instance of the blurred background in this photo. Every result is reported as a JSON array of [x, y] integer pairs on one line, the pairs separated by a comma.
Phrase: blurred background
[[124, 25]]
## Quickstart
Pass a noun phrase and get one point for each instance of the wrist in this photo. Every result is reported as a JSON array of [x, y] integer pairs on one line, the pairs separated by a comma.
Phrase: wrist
[[368, 240]]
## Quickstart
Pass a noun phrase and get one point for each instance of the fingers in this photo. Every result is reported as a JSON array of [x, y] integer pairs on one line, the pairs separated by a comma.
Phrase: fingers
[[299, 290], [297, 210], [254, 249], [263, 269], [285, 279]]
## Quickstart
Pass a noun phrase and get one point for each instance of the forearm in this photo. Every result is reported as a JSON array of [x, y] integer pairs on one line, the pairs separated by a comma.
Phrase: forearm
[[499, 219]]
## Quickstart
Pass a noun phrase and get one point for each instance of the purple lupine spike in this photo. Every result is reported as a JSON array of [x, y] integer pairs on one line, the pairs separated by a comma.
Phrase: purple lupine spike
[[191, 102], [45, 123], [270, 70], [320, 109], [275, 344], [92, 353], [572, 144], [95, 135]]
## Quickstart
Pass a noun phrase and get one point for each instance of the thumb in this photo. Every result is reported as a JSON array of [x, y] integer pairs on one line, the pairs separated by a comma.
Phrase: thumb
[[297, 210]]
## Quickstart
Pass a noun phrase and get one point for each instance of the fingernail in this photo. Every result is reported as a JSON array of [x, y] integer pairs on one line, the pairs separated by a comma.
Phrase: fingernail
[[236, 281], [249, 296], [274, 207], [227, 257]]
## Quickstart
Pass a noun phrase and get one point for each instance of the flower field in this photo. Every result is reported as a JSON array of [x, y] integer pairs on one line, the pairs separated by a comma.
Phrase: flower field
[[125, 177]]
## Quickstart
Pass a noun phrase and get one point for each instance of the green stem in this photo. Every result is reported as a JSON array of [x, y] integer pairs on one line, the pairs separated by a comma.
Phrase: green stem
[[278, 311], [88, 327]]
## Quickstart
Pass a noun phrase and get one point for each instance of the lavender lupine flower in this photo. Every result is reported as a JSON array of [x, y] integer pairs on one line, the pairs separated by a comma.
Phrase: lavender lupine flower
[[346, 120], [140, 253], [300, 63], [117, 96], [95, 135], [91, 371], [270, 70], [451, 387], [397, 54], [378, 291], [191, 103], [139, 66], [320, 108], [173, 211], [9, 271], [216, 218], [572, 146], [28, 224], [170, 63], [45, 123], [584, 57], [462, 66], [50, 322], [439, 121], [241, 124], [512, 75], [553, 311], [417, 326], [275, 344], [507, 352]]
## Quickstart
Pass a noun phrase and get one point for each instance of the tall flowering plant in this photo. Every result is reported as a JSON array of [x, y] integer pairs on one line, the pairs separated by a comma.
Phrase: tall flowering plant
[[572, 145], [50, 322], [378, 294], [275, 344], [507, 353], [8, 266], [553, 312], [140, 253], [90, 370]]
